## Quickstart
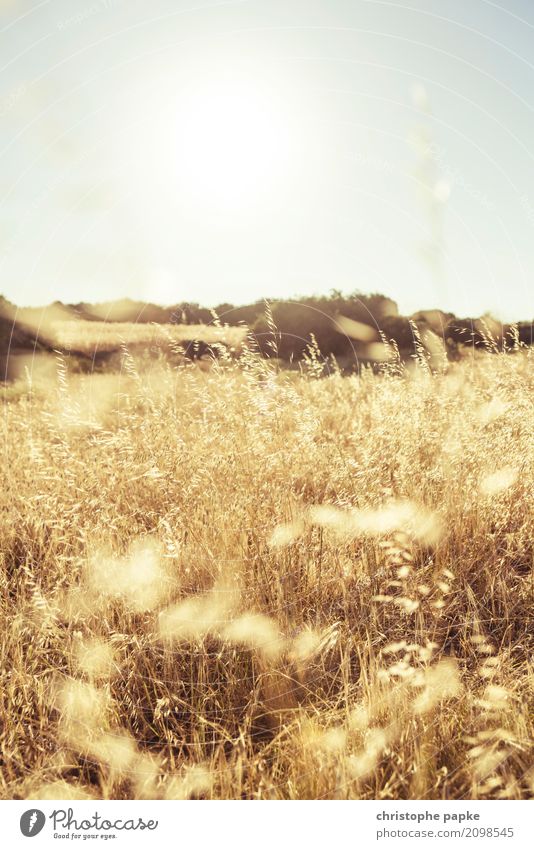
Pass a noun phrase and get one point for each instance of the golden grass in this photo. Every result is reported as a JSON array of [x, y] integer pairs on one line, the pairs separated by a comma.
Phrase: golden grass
[[91, 337], [251, 584]]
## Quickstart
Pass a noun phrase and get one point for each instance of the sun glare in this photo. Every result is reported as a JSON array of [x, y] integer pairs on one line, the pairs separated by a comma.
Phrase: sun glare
[[223, 146]]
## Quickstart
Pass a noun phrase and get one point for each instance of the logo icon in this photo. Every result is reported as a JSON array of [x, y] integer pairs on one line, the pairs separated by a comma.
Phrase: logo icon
[[32, 822]]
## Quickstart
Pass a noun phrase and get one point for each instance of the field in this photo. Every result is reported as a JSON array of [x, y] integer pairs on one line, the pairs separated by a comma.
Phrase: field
[[90, 337], [100, 345], [249, 583]]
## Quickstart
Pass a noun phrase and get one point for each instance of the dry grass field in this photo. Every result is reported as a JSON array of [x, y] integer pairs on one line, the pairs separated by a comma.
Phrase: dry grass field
[[90, 337], [249, 583]]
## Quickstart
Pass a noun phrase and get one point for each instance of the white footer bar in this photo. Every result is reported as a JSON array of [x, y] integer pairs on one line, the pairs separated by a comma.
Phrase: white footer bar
[[268, 825]]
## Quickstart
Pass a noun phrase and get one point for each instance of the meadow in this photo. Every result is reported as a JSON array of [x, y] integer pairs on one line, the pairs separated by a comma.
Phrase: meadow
[[252, 583], [93, 337]]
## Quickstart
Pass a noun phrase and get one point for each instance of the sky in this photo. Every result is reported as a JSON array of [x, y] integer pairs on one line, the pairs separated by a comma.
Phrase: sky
[[224, 152]]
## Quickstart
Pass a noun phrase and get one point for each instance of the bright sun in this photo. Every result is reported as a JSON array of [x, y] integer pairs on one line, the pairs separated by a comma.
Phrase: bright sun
[[224, 146]]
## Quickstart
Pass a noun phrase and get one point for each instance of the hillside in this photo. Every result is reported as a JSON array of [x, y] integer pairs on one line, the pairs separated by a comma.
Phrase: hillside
[[353, 329]]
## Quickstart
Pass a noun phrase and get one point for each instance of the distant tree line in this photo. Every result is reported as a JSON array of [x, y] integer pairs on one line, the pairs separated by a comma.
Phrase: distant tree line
[[280, 327], [299, 321]]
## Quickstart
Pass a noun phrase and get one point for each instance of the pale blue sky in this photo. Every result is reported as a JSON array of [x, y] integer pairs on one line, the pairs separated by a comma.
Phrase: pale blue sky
[[391, 150]]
